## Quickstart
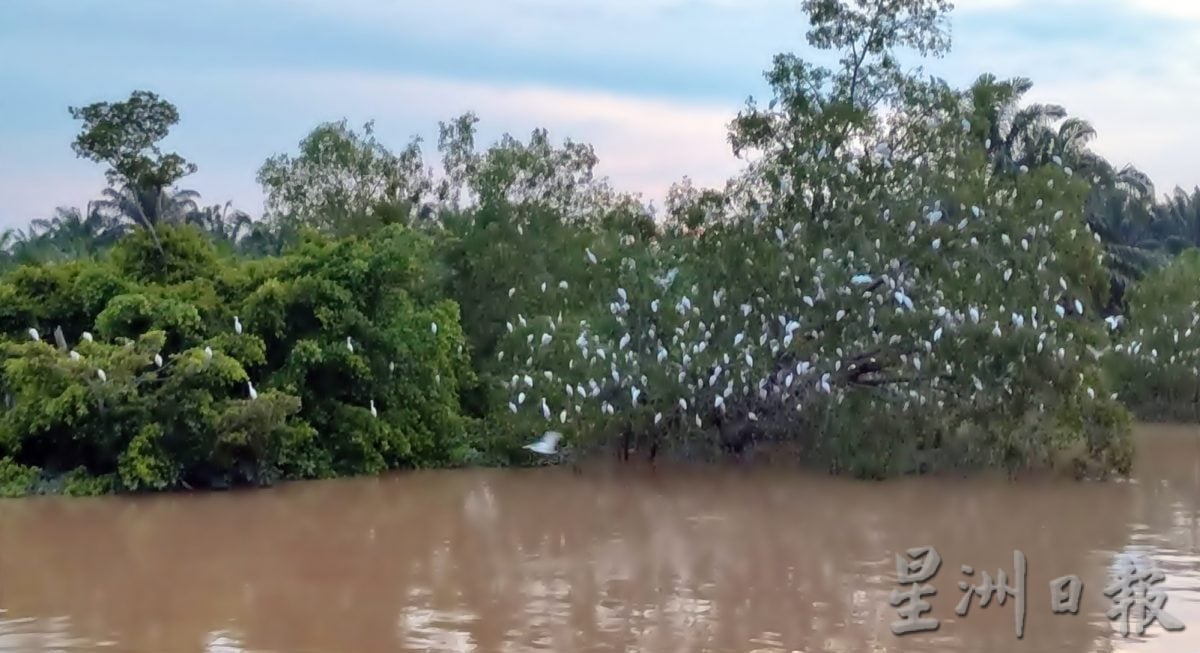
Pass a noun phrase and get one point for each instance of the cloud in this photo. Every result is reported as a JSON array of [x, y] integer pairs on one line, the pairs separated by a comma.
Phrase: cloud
[[651, 84]]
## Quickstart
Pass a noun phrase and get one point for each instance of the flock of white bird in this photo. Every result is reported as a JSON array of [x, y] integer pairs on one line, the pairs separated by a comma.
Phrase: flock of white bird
[[912, 312], [251, 391]]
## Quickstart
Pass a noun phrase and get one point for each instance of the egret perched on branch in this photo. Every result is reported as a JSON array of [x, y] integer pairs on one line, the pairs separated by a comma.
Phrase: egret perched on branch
[[253, 392], [547, 446], [208, 353], [103, 377], [237, 325], [87, 335], [158, 360], [374, 412], [34, 334], [349, 345]]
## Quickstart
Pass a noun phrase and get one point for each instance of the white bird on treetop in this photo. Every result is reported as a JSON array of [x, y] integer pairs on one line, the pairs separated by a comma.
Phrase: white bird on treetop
[[103, 377], [87, 335], [237, 325], [374, 412], [208, 352], [253, 392], [34, 334]]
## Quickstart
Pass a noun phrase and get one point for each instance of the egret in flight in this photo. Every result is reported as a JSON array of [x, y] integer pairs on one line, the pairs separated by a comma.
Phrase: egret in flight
[[548, 445]]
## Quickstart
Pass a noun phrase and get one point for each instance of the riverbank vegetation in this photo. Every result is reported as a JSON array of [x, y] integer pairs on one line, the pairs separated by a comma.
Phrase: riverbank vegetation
[[905, 277]]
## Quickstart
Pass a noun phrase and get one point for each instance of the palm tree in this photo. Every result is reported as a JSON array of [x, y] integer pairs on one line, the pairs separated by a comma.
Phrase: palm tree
[[77, 234], [265, 239], [1069, 142], [222, 223], [1178, 219], [149, 208], [1008, 126]]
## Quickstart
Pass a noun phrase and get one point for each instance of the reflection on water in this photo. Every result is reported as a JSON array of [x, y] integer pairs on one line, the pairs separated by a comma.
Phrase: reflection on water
[[624, 560]]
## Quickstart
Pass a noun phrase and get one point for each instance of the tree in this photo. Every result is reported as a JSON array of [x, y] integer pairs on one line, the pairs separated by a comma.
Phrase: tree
[[868, 287], [77, 234], [1179, 219], [341, 177], [148, 207], [224, 224], [1155, 360], [126, 136]]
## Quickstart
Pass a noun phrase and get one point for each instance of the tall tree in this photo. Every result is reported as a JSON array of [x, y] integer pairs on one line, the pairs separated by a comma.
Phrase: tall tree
[[339, 177], [126, 136]]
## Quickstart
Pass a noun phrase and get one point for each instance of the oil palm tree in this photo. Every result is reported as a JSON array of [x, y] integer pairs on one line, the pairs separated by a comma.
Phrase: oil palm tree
[[222, 223], [148, 208], [1007, 125], [80, 234], [1178, 216]]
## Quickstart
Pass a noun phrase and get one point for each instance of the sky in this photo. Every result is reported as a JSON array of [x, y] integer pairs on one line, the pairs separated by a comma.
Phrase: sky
[[652, 84]]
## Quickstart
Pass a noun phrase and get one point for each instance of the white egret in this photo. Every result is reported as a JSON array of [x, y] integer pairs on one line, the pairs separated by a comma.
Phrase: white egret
[[237, 325], [546, 446], [253, 392], [33, 333]]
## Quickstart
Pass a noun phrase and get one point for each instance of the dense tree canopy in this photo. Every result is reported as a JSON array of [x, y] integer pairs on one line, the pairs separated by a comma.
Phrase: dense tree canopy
[[905, 276]]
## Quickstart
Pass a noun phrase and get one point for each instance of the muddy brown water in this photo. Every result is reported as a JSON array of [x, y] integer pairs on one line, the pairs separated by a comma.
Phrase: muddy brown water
[[714, 559]]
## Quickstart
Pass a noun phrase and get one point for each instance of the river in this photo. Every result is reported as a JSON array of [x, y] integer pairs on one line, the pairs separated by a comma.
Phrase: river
[[628, 559]]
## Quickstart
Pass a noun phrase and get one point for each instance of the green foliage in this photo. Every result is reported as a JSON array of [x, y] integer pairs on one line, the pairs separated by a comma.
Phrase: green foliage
[[108, 415], [16, 479], [178, 255], [905, 277], [871, 288], [338, 177], [125, 135], [1156, 356]]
